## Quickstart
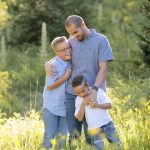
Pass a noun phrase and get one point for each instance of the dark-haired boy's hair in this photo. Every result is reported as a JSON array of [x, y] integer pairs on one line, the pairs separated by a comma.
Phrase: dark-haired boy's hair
[[78, 80]]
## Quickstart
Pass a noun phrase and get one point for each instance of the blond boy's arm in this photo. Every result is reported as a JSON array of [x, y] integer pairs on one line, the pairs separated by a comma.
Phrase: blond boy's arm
[[59, 81]]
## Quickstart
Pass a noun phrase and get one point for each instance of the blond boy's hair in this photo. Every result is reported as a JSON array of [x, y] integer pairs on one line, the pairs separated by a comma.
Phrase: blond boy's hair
[[57, 41]]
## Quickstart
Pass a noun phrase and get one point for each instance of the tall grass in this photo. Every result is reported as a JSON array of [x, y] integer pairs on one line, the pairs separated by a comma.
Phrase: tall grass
[[131, 118], [21, 133]]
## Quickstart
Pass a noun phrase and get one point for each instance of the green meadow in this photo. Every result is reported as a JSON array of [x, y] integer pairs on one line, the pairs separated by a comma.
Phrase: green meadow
[[26, 29]]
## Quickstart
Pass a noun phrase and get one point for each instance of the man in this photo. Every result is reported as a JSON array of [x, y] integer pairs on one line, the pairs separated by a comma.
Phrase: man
[[91, 53]]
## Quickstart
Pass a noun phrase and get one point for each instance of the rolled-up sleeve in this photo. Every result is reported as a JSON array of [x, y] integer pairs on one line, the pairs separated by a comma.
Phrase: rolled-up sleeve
[[105, 50]]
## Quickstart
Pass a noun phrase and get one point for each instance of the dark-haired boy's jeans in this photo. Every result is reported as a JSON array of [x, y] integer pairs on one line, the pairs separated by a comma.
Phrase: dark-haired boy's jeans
[[110, 133], [74, 126]]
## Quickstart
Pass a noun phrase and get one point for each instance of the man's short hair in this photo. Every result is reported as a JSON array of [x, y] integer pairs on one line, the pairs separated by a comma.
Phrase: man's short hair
[[74, 19], [57, 41], [78, 80]]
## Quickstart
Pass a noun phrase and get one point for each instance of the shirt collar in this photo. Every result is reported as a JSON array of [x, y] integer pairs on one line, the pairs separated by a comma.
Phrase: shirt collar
[[91, 34], [62, 61]]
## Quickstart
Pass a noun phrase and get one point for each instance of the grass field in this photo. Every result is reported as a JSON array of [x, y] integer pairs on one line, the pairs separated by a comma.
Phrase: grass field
[[132, 120]]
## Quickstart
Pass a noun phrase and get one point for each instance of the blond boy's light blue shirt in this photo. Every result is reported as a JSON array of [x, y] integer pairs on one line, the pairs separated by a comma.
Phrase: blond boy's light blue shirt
[[55, 100]]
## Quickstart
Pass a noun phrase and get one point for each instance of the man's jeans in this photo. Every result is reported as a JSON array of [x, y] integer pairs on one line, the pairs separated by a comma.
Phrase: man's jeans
[[53, 125], [111, 135], [74, 126]]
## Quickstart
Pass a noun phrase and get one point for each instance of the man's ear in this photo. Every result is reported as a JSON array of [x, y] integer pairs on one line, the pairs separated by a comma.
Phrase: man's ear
[[82, 24]]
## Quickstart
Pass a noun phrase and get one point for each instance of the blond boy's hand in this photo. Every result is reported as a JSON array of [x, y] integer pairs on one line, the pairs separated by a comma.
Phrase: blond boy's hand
[[68, 72]]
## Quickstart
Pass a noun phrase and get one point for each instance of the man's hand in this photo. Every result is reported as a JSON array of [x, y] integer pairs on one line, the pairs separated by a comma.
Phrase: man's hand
[[86, 101], [92, 96], [93, 104]]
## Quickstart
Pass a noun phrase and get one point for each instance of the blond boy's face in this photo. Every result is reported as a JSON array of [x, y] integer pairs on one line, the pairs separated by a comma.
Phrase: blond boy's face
[[82, 90], [63, 50]]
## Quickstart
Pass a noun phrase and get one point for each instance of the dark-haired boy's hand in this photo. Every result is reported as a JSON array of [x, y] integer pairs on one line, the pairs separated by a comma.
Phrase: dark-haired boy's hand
[[86, 101], [68, 73]]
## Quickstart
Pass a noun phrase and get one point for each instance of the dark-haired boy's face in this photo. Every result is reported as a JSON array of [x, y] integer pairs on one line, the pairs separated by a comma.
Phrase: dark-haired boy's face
[[82, 90]]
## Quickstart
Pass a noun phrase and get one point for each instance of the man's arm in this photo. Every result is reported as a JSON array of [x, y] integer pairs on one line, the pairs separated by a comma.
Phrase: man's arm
[[101, 76], [105, 55]]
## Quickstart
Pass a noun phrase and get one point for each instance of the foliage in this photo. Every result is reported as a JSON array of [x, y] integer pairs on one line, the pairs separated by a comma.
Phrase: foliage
[[144, 42], [4, 15], [22, 75], [26, 74], [3, 51], [130, 119], [4, 85], [21, 132], [27, 17], [28, 78], [136, 90], [119, 21], [7, 100]]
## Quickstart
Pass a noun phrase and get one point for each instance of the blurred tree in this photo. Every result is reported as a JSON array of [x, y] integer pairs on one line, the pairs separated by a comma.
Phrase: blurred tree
[[119, 20], [43, 50], [28, 15], [4, 86], [4, 16], [8, 102], [3, 51], [145, 35]]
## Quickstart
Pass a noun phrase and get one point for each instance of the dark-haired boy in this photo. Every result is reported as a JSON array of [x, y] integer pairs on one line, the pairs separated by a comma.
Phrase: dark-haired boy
[[96, 112]]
